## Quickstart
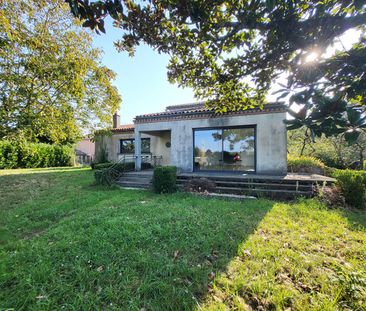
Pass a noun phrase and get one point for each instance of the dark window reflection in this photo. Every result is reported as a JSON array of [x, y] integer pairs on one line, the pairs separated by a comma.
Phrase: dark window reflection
[[128, 145], [225, 149]]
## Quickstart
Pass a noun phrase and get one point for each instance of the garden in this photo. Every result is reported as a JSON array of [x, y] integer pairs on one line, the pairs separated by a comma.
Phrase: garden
[[67, 243]]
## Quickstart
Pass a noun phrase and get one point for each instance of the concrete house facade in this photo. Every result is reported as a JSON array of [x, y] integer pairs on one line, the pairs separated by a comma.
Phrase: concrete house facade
[[194, 138]]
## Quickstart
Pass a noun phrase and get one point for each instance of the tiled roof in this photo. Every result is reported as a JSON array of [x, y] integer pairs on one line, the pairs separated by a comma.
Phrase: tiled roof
[[124, 128], [199, 110]]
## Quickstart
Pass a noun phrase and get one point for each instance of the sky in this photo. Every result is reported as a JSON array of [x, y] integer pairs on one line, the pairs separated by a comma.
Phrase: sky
[[142, 80]]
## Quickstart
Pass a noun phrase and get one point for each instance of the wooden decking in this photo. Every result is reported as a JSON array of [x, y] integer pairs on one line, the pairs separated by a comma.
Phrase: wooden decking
[[288, 177], [284, 187], [287, 186]]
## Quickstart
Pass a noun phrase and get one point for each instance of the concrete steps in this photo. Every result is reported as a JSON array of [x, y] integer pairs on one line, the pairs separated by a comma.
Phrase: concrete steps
[[135, 180]]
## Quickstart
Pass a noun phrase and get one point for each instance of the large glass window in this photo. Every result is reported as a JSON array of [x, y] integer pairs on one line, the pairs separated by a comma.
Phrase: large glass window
[[128, 145], [231, 149]]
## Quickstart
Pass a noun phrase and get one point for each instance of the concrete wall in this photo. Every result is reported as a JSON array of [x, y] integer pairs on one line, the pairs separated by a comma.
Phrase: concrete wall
[[158, 145], [271, 140]]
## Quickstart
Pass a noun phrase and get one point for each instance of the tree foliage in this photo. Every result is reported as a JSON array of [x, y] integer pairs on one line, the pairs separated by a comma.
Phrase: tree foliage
[[231, 51], [333, 151], [52, 83]]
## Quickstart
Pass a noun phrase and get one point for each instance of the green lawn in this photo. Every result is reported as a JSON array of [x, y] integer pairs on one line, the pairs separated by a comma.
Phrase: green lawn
[[67, 244]]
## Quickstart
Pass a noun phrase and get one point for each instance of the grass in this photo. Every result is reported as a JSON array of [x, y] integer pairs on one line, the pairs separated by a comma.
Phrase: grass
[[66, 244]]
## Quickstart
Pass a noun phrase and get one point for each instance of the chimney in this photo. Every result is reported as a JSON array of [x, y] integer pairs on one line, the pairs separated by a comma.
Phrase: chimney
[[116, 120]]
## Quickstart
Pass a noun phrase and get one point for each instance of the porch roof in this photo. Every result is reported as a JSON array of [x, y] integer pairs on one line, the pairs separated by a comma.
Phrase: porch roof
[[199, 110], [123, 128]]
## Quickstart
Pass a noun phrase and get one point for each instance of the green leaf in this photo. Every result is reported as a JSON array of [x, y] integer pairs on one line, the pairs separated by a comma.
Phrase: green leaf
[[354, 116], [352, 136]]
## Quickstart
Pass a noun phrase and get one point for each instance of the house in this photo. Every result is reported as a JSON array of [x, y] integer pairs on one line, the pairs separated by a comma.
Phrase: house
[[84, 151], [195, 138]]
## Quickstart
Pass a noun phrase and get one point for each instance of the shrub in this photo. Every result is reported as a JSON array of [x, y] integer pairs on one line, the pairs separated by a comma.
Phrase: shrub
[[8, 155], [164, 179], [353, 185], [107, 173], [329, 171], [99, 166], [32, 155], [199, 185], [106, 176], [329, 159], [330, 195], [305, 164]]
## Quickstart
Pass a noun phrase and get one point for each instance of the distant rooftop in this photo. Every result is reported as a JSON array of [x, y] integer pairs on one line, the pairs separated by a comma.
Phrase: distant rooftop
[[199, 110], [185, 107]]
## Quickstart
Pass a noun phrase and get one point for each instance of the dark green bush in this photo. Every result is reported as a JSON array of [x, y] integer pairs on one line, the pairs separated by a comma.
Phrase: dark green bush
[[353, 185], [32, 155], [164, 179]]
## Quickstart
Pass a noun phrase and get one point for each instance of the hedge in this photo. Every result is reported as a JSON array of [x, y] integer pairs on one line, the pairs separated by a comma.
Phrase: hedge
[[128, 165], [305, 164], [164, 179], [353, 185], [33, 155]]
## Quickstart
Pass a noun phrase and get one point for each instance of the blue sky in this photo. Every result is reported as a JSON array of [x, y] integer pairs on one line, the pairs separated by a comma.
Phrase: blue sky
[[141, 80]]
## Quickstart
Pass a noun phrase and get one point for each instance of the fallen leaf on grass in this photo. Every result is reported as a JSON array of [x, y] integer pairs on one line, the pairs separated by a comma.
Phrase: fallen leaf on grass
[[100, 269]]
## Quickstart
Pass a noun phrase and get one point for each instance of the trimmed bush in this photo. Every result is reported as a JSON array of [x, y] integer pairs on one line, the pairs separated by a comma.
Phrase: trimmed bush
[[353, 185], [32, 155], [305, 164], [164, 179]]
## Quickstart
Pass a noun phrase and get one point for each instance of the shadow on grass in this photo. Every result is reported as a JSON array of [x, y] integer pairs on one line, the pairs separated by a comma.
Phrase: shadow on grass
[[33, 201], [118, 249], [356, 218]]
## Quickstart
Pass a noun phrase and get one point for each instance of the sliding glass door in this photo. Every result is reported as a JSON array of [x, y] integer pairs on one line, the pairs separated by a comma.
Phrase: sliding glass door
[[227, 149]]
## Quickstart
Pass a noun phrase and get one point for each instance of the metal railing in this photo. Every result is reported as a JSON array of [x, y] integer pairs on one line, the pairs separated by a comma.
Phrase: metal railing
[[147, 160]]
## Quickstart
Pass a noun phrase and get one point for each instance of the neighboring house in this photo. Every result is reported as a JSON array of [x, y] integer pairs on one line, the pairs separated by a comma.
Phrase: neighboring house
[[84, 151], [195, 138]]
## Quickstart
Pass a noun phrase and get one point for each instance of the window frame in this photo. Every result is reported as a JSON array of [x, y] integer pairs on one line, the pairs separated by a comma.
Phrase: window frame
[[132, 140], [222, 128]]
